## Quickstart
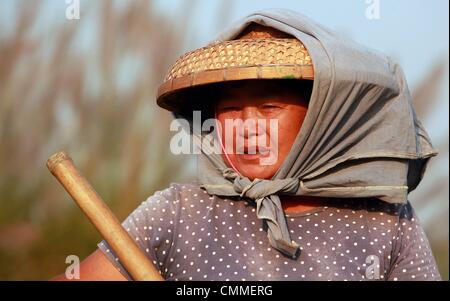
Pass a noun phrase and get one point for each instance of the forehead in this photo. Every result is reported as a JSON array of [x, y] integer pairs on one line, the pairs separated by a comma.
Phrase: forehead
[[206, 98], [249, 87], [259, 88], [291, 91]]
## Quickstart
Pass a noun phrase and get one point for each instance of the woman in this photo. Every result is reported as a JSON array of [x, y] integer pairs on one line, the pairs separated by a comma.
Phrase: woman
[[323, 197]]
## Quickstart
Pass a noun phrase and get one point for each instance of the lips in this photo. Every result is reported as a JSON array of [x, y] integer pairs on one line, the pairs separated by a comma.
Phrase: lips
[[253, 152], [252, 149]]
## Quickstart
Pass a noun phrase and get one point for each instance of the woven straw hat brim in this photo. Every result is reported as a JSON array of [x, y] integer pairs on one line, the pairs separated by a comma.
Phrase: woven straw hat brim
[[236, 60]]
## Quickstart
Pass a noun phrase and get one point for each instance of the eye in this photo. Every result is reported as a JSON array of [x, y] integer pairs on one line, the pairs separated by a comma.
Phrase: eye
[[270, 106], [228, 108]]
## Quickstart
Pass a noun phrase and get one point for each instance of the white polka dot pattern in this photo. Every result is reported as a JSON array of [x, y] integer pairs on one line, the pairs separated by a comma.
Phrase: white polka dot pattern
[[190, 235]]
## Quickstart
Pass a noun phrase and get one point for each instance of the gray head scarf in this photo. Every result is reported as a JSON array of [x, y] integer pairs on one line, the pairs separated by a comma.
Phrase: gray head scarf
[[360, 138]]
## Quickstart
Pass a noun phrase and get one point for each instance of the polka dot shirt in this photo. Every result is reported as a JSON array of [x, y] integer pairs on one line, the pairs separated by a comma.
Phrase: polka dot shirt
[[191, 235]]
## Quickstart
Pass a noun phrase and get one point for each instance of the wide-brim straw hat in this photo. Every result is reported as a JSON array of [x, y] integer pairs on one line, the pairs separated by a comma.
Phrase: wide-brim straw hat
[[259, 52]]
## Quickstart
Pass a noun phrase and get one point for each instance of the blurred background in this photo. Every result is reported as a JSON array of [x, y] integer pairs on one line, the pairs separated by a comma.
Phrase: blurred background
[[88, 86]]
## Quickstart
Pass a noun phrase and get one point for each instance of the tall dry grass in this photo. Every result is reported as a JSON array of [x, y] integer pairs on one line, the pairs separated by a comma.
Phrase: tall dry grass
[[54, 95]]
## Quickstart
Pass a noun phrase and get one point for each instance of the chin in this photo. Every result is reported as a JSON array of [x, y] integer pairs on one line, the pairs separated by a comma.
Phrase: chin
[[260, 172]]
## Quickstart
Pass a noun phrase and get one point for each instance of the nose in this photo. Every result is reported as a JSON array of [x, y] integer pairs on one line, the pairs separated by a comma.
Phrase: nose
[[249, 112], [250, 119]]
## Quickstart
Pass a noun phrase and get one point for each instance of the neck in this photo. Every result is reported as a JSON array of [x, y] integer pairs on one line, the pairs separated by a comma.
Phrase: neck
[[296, 204]]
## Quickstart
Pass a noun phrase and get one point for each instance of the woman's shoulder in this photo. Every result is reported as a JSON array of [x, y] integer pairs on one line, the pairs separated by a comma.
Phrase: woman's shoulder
[[374, 206], [374, 214], [182, 192], [180, 195]]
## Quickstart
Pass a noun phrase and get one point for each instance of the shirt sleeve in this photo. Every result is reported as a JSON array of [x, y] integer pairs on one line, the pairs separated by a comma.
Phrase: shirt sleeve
[[412, 258], [150, 225]]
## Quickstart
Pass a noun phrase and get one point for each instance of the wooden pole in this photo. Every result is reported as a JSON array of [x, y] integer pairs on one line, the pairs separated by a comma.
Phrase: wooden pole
[[130, 255]]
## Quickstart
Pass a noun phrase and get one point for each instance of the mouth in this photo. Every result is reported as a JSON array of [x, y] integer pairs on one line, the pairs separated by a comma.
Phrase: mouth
[[250, 153]]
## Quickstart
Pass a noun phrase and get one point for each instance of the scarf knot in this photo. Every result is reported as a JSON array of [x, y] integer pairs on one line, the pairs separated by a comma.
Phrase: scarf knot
[[268, 206]]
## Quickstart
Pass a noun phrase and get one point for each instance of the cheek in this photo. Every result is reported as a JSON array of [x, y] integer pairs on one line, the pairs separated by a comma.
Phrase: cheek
[[288, 128], [287, 135], [229, 156], [221, 125]]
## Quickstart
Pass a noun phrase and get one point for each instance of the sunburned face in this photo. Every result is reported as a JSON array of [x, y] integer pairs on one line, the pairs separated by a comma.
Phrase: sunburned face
[[272, 113]]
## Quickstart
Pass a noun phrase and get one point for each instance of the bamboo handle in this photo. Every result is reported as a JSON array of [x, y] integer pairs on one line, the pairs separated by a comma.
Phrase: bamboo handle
[[131, 256]]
